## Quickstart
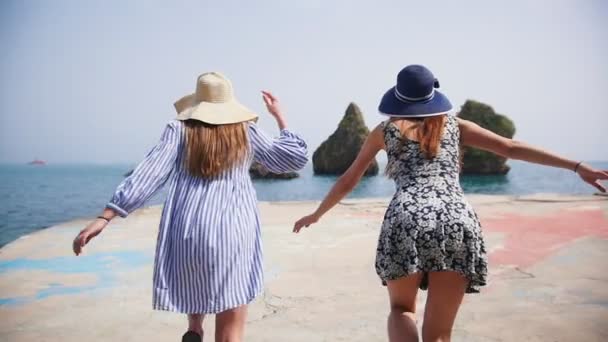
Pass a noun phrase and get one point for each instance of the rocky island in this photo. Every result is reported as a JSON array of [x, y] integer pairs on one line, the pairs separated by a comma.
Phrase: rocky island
[[335, 154], [256, 171], [477, 162], [259, 171]]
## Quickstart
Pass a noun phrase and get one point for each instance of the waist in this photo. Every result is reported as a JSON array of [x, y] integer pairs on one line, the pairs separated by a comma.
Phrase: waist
[[434, 178], [422, 185]]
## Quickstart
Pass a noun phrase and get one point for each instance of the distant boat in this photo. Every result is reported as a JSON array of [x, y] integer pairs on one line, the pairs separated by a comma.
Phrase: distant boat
[[37, 162]]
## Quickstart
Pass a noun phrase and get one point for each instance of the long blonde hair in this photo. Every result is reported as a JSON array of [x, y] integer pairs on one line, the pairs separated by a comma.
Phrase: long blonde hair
[[213, 149]]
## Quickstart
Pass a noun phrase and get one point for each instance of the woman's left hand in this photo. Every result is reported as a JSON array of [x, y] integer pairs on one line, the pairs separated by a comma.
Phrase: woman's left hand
[[593, 176], [305, 222], [87, 234]]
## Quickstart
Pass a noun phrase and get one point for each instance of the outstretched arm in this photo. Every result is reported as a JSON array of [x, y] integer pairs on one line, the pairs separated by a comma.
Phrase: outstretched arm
[[475, 136], [135, 190], [287, 152], [347, 182]]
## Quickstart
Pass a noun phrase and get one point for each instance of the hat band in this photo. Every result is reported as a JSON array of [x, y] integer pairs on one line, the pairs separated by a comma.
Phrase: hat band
[[407, 99]]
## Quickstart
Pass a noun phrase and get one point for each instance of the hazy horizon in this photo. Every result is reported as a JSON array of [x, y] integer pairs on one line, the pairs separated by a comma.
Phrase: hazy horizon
[[94, 81]]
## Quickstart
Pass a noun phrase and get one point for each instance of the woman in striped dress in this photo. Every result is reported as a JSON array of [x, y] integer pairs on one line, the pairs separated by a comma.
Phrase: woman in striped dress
[[209, 254]]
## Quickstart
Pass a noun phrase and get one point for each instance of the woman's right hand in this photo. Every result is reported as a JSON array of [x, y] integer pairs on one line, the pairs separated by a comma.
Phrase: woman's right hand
[[593, 176], [272, 104], [274, 108], [305, 222]]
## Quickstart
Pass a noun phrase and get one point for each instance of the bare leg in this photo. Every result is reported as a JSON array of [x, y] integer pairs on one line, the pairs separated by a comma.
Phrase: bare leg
[[230, 325], [195, 323], [446, 290], [402, 319]]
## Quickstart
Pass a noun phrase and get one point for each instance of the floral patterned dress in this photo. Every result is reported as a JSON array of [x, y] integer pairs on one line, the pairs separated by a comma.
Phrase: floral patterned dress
[[429, 226]]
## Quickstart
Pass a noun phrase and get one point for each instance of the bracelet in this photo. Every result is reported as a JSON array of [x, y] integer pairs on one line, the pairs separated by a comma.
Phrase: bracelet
[[577, 165], [103, 218]]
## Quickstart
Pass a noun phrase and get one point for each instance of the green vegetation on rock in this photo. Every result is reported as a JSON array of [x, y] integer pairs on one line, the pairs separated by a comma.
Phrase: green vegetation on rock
[[337, 153], [481, 162]]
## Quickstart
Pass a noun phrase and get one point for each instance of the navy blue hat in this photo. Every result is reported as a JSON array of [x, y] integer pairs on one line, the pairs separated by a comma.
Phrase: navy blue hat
[[414, 95]]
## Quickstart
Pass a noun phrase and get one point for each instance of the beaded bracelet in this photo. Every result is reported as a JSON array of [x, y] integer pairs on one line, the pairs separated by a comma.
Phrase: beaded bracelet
[[577, 165]]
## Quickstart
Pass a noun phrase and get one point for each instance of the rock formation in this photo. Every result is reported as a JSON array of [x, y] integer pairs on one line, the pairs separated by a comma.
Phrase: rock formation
[[258, 171], [335, 154], [481, 162]]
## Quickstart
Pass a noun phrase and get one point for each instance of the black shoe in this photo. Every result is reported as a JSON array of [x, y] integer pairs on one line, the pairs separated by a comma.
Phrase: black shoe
[[191, 336]]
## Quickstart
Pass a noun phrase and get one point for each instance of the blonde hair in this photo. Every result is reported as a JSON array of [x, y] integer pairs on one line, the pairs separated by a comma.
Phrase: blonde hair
[[213, 149]]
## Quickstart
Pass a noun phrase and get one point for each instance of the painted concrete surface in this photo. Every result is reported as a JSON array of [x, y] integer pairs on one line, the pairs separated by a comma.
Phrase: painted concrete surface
[[548, 267]]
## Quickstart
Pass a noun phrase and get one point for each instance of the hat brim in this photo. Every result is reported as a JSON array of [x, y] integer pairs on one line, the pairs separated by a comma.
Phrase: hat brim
[[213, 113], [390, 105]]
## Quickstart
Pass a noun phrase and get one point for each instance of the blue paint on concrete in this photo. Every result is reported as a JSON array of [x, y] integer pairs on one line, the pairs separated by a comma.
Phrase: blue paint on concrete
[[566, 259], [586, 297], [104, 266], [63, 290], [12, 301], [83, 264]]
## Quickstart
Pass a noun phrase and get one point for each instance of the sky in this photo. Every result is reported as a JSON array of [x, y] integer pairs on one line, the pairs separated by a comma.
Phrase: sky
[[85, 81]]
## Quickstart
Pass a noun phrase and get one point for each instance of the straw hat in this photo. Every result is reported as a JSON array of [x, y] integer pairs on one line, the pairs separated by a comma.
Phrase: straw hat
[[213, 102]]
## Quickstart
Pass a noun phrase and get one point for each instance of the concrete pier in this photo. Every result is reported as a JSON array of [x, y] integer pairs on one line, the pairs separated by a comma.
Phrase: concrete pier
[[548, 277]]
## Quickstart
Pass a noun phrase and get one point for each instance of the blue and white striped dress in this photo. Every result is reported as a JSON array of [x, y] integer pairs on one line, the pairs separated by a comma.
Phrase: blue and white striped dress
[[209, 248]]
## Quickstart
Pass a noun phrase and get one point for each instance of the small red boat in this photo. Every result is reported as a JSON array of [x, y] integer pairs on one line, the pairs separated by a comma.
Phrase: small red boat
[[37, 162]]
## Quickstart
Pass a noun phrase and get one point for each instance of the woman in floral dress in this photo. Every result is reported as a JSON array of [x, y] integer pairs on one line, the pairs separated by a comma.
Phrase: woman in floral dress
[[430, 237]]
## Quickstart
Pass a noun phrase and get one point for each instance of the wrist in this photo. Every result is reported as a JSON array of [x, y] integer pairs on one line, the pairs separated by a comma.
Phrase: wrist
[[281, 122], [103, 219], [108, 214], [578, 166]]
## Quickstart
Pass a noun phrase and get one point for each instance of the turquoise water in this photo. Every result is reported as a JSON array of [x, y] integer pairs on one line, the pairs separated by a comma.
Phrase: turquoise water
[[35, 197]]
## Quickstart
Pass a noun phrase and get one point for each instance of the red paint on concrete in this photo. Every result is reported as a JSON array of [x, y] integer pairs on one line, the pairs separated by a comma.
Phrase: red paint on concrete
[[530, 239]]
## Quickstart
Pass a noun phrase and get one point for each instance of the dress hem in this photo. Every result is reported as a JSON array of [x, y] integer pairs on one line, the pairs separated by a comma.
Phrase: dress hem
[[207, 311], [473, 286]]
